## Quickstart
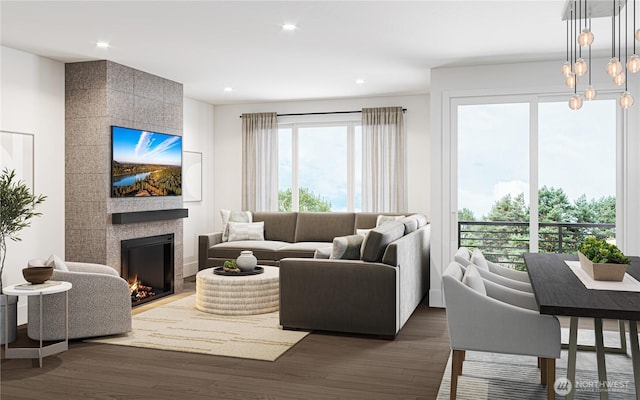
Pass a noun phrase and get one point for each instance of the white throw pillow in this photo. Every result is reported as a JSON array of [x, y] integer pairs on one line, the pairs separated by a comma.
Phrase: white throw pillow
[[478, 259], [385, 219], [235, 216], [473, 279], [362, 232], [246, 231], [323, 252], [56, 262]]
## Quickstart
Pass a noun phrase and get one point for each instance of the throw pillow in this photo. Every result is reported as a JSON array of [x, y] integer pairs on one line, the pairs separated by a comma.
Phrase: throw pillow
[[246, 231], [375, 243], [362, 232], [478, 259], [473, 279], [56, 262], [385, 219], [323, 252], [347, 247], [235, 216]]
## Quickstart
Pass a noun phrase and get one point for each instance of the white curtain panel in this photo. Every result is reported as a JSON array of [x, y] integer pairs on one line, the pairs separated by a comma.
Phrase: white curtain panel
[[383, 160], [260, 162]]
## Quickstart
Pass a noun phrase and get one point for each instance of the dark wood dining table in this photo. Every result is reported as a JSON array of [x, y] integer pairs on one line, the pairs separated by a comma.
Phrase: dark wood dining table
[[558, 291]]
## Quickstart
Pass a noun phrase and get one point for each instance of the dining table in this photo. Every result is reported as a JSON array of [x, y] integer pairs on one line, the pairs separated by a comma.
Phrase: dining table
[[560, 290]]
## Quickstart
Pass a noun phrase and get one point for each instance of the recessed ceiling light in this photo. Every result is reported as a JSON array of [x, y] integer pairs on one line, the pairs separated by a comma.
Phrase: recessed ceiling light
[[289, 27], [228, 89], [103, 45], [359, 81]]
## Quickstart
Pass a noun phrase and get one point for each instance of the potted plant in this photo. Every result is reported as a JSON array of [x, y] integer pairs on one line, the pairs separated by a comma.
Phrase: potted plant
[[601, 260], [17, 207]]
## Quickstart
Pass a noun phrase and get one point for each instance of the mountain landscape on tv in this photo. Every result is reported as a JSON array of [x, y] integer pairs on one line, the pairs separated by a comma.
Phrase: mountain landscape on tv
[[145, 163]]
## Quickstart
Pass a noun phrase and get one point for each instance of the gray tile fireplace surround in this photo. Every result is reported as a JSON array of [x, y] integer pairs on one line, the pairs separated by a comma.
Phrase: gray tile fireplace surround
[[100, 94]]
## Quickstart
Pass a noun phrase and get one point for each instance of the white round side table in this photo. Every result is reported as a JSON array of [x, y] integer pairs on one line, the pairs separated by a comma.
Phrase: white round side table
[[25, 289]]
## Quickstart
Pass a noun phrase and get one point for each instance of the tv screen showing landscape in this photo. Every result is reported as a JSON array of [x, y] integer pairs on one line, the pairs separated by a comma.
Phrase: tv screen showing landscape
[[145, 163]]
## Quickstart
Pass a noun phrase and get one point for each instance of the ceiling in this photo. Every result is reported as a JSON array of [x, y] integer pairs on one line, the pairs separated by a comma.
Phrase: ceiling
[[210, 45]]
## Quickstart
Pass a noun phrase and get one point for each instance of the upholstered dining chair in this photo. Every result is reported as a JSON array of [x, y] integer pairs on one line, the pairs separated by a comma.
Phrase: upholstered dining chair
[[99, 302], [483, 316], [464, 258]]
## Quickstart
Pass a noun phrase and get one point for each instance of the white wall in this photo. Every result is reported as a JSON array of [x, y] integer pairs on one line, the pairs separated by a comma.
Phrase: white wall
[[228, 144], [198, 137], [32, 101], [448, 84]]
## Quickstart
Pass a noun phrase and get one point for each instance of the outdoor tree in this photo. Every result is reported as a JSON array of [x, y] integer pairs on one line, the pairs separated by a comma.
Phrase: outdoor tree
[[307, 201]]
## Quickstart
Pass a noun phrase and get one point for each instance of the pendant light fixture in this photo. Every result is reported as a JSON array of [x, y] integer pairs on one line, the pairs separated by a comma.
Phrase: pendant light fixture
[[626, 100], [566, 67], [619, 64], [633, 65], [575, 102]]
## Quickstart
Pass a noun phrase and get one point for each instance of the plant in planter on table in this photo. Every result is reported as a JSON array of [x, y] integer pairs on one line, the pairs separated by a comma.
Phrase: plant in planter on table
[[17, 207], [601, 260]]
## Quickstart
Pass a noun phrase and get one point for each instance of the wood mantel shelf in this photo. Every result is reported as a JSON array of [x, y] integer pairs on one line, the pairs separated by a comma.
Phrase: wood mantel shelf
[[148, 216]]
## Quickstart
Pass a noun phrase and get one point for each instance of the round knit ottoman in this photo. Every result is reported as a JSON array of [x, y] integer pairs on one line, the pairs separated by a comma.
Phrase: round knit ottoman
[[238, 295]]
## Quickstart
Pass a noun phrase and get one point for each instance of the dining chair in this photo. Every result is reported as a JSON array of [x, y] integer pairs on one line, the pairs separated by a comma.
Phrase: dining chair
[[465, 256], [483, 316], [484, 271]]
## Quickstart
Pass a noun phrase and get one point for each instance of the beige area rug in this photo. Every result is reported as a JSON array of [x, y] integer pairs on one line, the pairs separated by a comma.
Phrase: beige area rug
[[179, 326]]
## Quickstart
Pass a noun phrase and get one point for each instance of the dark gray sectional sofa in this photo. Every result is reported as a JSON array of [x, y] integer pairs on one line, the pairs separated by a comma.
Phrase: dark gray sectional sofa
[[375, 294]]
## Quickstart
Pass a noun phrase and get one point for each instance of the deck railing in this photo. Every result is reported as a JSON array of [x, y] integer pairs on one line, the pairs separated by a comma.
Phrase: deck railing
[[505, 242]]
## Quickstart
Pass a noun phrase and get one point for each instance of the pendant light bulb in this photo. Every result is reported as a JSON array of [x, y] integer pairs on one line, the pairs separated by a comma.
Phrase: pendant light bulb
[[586, 38], [626, 100], [614, 67], [575, 103], [590, 93], [580, 67], [566, 68], [633, 65], [571, 80], [619, 79]]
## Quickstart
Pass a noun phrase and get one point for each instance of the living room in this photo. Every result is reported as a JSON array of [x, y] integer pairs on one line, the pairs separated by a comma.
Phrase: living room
[[515, 68]]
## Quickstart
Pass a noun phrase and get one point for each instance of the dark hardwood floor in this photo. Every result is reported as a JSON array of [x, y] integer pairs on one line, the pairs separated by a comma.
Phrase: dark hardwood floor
[[321, 366]]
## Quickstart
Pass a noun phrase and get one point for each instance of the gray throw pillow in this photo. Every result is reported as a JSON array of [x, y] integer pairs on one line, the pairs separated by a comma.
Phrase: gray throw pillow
[[234, 216], [478, 259], [246, 231], [375, 243], [347, 247]]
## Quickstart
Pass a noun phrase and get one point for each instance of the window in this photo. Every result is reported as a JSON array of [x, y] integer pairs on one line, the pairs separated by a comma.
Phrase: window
[[526, 179], [319, 167]]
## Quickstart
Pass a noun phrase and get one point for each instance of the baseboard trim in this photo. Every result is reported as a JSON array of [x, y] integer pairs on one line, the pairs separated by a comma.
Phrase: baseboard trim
[[436, 299]]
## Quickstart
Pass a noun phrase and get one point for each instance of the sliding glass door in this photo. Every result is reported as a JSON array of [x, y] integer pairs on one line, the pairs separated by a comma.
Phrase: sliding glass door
[[534, 175]]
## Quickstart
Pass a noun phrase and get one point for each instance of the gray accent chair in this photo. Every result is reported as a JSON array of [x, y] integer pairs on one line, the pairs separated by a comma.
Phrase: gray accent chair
[[99, 304], [490, 319]]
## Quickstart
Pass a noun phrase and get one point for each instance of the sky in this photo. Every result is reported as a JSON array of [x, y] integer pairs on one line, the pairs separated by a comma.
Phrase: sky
[[142, 147], [322, 163], [577, 151]]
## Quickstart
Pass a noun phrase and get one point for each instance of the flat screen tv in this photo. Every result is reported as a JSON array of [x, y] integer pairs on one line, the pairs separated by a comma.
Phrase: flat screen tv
[[145, 163]]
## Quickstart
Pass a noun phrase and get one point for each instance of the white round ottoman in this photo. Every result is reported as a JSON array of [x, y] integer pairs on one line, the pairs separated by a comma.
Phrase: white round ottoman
[[238, 295]]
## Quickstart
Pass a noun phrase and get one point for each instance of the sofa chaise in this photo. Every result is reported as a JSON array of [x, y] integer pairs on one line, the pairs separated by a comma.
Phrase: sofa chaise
[[373, 294]]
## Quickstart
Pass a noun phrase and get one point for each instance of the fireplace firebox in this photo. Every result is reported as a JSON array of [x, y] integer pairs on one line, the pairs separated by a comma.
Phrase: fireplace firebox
[[147, 264]]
